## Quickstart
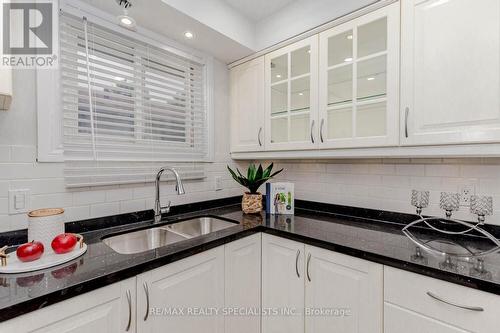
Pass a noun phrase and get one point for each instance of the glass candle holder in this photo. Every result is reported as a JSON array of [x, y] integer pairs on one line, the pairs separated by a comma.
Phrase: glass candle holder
[[482, 206], [450, 202], [420, 199]]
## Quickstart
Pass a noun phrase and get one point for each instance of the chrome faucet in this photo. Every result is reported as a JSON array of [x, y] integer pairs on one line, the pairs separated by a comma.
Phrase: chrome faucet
[[158, 209]]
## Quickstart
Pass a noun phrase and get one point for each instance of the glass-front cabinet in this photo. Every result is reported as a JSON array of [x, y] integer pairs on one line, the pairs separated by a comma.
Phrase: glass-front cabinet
[[358, 81], [291, 77]]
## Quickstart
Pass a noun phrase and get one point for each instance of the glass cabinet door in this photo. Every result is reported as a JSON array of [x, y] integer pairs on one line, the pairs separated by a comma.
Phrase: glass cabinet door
[[290, 74], [354, 63]]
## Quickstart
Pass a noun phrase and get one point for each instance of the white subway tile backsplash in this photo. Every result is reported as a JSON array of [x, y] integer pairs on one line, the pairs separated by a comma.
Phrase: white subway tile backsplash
[[481, 171], [105, 209], [77, 213], [119, 194], [25, 154], [51, 200], [410, 170], [442, 170], [89, 197], [4, 206], [133, 206], [4, 189], [4, 154]]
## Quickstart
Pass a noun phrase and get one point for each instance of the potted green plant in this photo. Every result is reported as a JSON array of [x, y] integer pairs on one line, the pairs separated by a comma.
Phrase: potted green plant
[[256, 176]]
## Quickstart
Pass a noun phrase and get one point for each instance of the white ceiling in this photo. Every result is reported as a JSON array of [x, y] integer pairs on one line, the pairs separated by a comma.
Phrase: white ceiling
[[160, 18], [256, 10]]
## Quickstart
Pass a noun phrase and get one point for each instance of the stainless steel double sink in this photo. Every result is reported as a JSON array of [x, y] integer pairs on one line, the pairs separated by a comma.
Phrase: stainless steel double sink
[[155, 237]]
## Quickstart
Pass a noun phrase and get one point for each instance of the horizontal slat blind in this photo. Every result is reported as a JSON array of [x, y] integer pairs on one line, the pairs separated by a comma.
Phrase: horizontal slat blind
[[127, 103]]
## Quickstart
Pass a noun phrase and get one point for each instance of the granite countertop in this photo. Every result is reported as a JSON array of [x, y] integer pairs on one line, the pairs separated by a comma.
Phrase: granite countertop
[[374, 236]]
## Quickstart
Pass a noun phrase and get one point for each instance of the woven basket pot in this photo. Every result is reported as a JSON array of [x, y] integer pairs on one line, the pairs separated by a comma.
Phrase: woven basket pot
[[251, 203]]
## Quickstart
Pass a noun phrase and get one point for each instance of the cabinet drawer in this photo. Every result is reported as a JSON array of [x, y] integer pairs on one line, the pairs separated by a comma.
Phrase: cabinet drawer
[[411, 291]]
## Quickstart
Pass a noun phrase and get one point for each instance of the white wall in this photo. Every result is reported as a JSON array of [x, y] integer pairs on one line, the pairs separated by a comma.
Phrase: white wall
[[386, 184], [19, 169], [300, 16]]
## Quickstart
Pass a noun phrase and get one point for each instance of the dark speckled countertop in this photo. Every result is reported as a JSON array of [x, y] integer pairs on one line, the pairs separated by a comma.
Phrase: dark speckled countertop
[[369, 234]]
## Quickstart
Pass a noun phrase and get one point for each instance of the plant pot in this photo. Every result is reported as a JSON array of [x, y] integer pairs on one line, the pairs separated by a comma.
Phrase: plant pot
[[251, 203]]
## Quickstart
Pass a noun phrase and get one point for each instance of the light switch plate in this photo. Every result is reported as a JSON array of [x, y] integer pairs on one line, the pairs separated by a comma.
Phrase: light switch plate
[[19, 201]]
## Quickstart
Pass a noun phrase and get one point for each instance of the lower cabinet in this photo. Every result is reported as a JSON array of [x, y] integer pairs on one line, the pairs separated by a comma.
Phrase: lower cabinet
[[110, 309], [343, 294], [415, 303], [243, 285], [282, 285], [331, 292], [299, 289], [399, 320], [179, 297]]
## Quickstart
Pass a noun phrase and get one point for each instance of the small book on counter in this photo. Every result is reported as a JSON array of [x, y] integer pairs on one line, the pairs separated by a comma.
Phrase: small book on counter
[[279, 198]]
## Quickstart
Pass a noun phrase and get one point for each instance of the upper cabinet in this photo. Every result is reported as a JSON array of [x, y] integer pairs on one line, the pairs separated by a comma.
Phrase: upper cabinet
[[247, 106], [422, 73], [450, 74], [358, 81], [291, 96]]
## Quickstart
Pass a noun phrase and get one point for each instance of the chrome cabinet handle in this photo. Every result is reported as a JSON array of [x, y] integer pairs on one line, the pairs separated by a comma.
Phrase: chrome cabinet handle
[[321, 130], [307, 267], [407, 111], [312, 127], [146, 291], [129, 301], [258, 136], [465, 307], [297, 264]]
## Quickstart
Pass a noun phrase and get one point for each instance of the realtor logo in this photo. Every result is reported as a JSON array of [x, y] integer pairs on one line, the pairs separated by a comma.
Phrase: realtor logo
[[29, 34]]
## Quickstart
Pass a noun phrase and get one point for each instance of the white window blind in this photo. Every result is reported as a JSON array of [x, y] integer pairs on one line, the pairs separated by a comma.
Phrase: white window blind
[[128, 107]]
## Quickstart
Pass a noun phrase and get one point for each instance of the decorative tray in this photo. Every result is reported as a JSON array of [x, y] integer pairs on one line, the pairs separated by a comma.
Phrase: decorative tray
[[48, 259]]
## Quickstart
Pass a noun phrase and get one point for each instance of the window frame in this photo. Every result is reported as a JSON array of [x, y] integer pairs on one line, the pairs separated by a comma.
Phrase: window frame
[[48, 97]]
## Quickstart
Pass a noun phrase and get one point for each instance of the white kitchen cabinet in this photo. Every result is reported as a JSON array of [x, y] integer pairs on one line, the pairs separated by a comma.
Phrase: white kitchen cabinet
[[399, 320], [422, 304], [291, 96], [450, 71], [243, 284], [282, 285], [247, 106], [183, 296], [351, 288], [359, 81], [110, 309]]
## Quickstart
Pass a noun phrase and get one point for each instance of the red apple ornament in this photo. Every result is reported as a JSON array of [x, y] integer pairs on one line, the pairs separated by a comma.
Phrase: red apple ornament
[[30, 251], [64, 243]]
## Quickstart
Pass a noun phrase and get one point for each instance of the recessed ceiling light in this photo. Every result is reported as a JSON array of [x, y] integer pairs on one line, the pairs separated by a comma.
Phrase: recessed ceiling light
[[371, 78], [309, 51], [126, 21], [278, 76], [188, 35], [301, 94], [348, 59], [349, 37]]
